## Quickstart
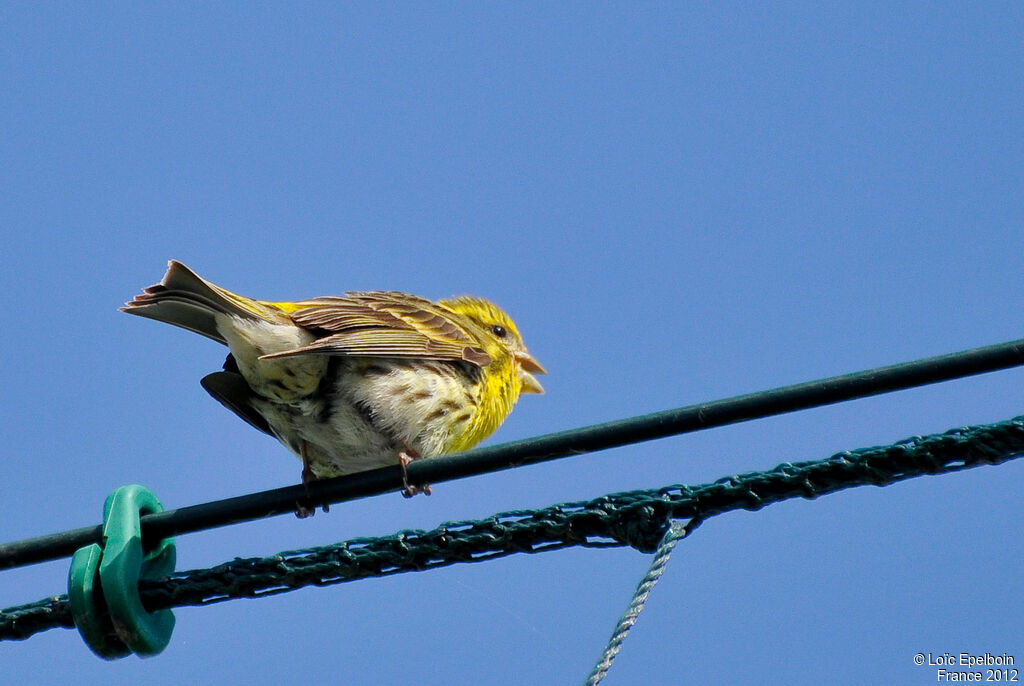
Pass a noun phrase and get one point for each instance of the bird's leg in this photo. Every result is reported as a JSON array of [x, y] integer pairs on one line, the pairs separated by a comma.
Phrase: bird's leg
[[406, 458], [308, 477]]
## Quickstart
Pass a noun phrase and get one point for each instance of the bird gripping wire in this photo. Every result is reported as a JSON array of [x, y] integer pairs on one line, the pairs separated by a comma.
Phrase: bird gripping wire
[[836, 389]]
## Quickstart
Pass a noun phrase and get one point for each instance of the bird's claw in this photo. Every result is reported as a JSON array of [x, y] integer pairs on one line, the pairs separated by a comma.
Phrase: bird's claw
[[406, 458]]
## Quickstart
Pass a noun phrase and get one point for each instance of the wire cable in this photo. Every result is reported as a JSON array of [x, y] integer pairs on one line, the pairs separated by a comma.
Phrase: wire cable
[[637, 518], [533, 450]]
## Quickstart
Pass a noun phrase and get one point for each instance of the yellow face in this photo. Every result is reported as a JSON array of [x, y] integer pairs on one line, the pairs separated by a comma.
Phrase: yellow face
[[499, 337]]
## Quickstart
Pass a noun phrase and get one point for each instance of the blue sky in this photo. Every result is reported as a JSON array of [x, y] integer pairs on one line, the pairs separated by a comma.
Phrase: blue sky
[[677, 203]]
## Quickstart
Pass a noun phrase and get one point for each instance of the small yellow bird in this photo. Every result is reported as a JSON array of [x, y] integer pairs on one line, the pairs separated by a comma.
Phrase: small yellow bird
[[354, 382]]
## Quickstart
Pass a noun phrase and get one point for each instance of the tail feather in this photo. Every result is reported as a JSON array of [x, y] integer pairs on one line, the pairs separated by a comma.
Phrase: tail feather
[[185, 299]]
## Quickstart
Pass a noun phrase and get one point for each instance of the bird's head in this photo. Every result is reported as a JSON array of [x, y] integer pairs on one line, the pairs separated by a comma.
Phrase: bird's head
[[499, 337]]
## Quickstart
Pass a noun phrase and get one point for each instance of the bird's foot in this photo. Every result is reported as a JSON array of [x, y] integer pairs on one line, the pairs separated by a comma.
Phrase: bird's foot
[[406, 458], [302, 511]]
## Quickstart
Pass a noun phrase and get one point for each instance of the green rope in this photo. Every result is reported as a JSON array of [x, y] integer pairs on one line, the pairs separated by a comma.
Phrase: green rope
[[638, 519]]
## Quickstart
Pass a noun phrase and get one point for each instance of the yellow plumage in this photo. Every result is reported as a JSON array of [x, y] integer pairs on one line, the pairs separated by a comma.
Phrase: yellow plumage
[[353, 382]]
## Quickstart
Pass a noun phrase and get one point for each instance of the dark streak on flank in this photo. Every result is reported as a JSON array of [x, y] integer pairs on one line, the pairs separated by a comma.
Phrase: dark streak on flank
[[436, 414], [470, 371], [366, 414], [326, 390]]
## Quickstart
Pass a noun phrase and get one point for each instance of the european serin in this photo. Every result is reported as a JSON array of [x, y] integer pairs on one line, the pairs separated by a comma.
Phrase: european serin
[[350, 383]]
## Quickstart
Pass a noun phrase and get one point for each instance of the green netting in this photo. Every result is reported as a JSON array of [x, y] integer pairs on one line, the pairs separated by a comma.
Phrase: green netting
[[637, 518]]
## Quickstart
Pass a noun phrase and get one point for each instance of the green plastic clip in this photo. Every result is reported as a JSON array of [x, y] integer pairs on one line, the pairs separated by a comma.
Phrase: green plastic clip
[[103, 583]]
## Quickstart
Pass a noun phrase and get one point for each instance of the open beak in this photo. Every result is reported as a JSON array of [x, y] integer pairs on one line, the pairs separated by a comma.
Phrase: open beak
[[528, 366]]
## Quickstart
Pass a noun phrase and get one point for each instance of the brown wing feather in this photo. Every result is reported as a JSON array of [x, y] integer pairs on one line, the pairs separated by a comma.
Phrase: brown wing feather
[[385, 324], [387, 309]]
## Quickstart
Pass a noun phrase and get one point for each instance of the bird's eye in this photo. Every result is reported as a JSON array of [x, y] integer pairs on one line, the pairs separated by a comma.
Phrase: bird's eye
[[499, 331]]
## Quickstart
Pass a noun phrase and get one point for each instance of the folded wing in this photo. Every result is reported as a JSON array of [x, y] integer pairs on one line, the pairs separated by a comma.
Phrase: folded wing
[[385, 324]]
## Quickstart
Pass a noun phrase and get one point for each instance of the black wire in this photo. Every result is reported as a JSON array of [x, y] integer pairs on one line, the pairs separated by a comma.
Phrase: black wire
[[539, 449]]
